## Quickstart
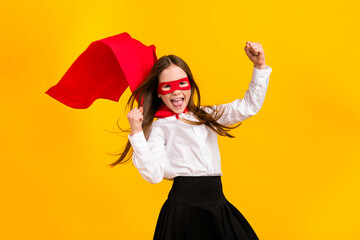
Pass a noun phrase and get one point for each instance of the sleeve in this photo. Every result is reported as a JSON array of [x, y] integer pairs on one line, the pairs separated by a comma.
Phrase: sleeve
[[149, 156], [241, 109]]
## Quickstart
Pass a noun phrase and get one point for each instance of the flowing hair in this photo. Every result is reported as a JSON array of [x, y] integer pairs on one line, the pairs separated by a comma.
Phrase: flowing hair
[[150, 102]]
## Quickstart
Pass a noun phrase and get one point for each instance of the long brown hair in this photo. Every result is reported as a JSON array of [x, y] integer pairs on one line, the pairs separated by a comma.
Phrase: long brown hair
[[150, 102]]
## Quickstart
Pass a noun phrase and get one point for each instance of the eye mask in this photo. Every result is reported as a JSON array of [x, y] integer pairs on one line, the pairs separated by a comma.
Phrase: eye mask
[[173, 85]]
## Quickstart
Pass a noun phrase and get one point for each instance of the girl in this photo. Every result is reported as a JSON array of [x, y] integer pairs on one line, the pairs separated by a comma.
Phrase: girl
[[181, 145]]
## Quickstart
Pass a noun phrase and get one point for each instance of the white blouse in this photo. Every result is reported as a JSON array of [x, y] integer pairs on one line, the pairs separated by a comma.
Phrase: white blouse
[[175, 148]]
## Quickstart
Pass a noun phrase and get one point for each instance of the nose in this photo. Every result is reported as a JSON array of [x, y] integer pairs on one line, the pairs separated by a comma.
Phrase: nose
[[176, 92]]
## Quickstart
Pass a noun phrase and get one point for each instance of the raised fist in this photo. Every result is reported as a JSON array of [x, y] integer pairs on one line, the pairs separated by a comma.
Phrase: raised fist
[[135, 117], [256, 54]]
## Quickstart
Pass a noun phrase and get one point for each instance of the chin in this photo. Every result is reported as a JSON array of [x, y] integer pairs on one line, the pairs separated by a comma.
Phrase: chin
[[178, 111]]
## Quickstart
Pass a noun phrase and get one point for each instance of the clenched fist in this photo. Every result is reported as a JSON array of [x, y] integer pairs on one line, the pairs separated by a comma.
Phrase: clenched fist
[[256, 54], [135, 117]]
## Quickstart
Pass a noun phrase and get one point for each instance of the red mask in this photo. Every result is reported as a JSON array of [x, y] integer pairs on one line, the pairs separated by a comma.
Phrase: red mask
[[174, 85]]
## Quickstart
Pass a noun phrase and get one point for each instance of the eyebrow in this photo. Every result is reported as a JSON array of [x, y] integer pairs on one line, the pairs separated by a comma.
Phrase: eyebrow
[[177, 80]]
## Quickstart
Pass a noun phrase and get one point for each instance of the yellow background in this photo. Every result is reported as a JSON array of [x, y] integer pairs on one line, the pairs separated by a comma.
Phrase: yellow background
[[292, 170]]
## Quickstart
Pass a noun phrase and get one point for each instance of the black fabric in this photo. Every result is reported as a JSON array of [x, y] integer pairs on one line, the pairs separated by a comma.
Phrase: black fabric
[[197, 209]]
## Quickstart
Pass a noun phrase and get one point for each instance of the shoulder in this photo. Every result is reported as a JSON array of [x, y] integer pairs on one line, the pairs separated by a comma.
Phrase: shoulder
[[160, 125], [156, 125], [206, 108], [162, 121]]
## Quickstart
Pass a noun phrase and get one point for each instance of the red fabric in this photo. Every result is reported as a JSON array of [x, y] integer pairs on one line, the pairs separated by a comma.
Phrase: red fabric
[[164, 111], [174, 85], [104, 70]]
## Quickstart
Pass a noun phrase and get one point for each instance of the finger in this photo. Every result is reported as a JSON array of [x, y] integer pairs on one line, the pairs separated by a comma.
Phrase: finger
[[253, 45], [248, 52], [247, 47], [136, 119], [252, 48], [133, 110], [136, 116], [257, 49], [256, 46], [260, 51], [141, 109], [253, 51]]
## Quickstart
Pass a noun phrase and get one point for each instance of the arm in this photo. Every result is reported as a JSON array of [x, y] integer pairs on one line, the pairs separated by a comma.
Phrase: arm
[[149, 156], [242, 109]]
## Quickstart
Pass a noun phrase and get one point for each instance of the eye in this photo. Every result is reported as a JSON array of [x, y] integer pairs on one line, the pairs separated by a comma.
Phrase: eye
[[166, 87], [184, 84]]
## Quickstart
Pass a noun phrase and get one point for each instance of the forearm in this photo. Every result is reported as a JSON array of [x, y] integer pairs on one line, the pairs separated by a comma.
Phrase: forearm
[[148, 157], [255, 95], [241, 109]]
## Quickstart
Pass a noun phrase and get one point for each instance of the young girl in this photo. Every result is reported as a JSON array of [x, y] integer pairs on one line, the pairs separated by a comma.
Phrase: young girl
[[181, 145]]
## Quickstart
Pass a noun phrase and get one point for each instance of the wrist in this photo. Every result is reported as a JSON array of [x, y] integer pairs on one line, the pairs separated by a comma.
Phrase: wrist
[[261, 67], [135, 132]]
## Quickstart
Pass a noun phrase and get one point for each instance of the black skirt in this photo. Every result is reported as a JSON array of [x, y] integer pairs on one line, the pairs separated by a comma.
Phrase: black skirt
[[196, 208]]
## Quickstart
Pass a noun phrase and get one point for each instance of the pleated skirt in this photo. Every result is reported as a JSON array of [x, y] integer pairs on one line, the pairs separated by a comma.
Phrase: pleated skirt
[[197, 209]]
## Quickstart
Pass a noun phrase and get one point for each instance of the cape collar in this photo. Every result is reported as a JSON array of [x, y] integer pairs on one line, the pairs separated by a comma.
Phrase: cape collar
[[164, 112]]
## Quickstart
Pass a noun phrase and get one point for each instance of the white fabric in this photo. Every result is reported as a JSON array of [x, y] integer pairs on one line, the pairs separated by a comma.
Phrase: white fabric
[[175, 148]]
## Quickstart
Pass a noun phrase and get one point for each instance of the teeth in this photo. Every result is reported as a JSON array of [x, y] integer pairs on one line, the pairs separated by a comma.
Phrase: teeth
[[176, 100]]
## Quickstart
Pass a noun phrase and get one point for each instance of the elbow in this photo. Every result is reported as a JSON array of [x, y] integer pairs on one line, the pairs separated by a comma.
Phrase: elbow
[[152, 174], [254, 108], [250, 111], [153, 179]]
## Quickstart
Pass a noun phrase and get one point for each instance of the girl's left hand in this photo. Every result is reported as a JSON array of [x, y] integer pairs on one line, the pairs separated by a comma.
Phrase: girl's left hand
[[256, 54]]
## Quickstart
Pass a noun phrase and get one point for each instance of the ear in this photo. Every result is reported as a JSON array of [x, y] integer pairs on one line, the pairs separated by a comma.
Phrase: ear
[[158, 95]]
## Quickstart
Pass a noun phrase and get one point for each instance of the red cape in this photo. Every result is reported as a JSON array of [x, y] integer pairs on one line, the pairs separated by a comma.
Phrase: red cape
[[104, 70]]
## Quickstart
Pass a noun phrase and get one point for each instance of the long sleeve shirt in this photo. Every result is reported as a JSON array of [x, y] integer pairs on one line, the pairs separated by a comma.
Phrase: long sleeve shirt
[[175, 148]]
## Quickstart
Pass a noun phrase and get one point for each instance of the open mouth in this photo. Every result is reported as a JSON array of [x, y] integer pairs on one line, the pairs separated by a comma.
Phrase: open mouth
[[177, 102]]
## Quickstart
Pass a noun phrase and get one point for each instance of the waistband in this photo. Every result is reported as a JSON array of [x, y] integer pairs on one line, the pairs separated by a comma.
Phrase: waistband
[[197, 190]]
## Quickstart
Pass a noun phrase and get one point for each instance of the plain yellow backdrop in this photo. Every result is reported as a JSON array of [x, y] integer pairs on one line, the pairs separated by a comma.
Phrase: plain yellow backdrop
[[292, 170]]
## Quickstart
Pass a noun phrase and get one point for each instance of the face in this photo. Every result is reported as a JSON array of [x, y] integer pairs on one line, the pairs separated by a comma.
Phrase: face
[[176, 100]]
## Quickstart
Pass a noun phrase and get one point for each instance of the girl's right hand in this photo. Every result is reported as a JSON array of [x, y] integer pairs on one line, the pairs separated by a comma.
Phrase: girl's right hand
[[135, 117]]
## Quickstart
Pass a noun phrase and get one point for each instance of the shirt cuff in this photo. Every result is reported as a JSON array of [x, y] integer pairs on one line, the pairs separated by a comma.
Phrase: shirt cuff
[[137, 141], [261, 75]]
